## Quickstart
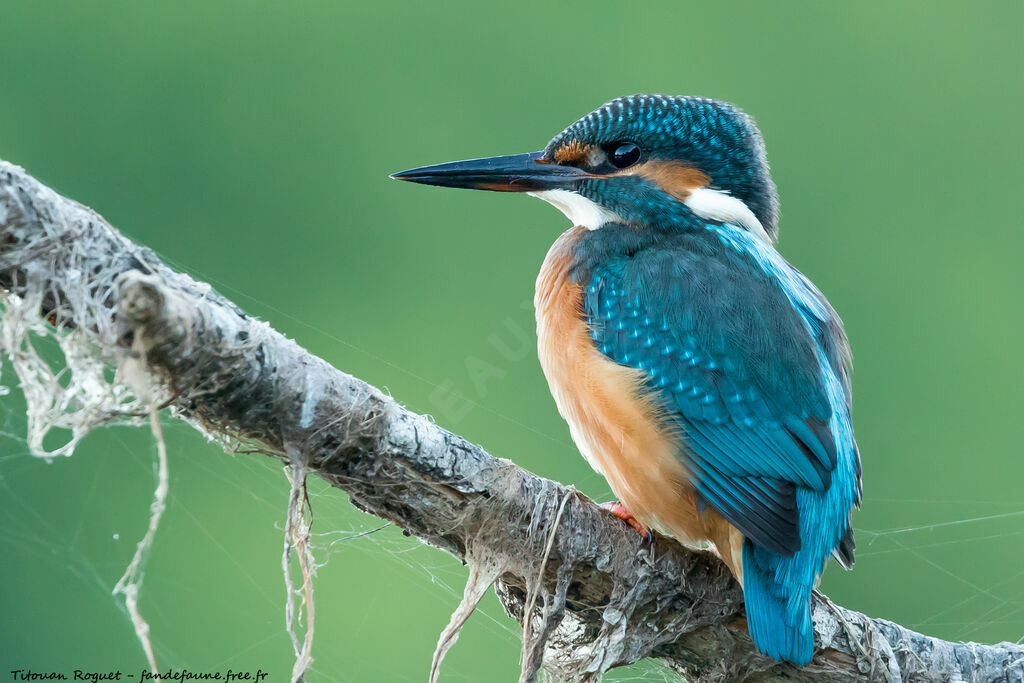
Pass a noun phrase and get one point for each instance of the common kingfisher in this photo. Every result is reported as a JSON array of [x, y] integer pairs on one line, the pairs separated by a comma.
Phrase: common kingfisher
[[705, 377]]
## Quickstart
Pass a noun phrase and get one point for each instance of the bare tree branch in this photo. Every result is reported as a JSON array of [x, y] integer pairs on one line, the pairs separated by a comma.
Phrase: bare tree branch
[[599, 597]]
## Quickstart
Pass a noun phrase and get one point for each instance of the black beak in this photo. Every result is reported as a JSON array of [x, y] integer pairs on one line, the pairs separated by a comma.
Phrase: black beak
[[513, 173]]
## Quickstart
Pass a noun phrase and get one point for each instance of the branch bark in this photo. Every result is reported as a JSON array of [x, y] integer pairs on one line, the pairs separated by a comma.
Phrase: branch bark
[[597, 597]]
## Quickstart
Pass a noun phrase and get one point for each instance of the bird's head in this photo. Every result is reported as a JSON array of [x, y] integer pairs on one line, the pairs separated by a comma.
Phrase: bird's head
[[645, 160]]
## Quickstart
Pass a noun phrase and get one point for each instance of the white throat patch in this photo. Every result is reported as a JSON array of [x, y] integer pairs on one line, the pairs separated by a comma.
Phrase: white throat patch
[[707, 203], [720, 206], [579, 209]]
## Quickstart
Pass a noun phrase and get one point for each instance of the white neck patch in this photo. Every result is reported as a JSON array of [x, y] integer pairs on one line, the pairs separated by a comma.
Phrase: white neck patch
[[579, 209], [707, 203], [721, 206]]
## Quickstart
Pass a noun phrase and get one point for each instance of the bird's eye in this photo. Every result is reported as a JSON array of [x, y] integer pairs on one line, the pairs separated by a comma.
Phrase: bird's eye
[[625, 154]]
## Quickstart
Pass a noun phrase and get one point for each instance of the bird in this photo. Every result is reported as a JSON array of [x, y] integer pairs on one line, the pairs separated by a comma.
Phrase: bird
[[706, 378]]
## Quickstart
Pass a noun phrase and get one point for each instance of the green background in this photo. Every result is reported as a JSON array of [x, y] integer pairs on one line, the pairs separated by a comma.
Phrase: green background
[[249, 144]]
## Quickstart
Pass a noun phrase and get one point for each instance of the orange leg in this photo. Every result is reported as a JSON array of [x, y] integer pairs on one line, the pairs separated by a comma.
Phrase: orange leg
[[620, 511]]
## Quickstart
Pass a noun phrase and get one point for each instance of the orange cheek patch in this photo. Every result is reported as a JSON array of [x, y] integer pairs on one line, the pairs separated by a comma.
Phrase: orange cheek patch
[[572, 152], [677, 179]]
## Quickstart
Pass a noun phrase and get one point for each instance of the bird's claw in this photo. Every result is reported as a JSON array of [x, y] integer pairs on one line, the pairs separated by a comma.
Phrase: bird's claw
[[619, 510]]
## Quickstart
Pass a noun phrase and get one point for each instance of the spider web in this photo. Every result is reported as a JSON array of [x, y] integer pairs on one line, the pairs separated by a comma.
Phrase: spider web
[[92, 541]]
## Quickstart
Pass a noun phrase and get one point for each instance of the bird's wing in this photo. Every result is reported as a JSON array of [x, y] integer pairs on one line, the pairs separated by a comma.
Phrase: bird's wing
[[737, 371]]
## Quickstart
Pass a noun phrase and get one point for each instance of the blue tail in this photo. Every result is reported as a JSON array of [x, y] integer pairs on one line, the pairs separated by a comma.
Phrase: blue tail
[[777, 591]]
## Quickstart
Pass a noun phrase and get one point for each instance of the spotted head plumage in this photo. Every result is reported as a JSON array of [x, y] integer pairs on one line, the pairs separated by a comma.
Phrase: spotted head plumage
[[652, 161], [645, 147]]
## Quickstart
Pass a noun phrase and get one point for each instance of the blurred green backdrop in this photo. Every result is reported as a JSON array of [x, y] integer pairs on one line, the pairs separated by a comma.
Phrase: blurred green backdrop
[[249, 143]]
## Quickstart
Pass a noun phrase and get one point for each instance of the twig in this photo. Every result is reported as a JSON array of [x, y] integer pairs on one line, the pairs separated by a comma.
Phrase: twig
[[235, 378]]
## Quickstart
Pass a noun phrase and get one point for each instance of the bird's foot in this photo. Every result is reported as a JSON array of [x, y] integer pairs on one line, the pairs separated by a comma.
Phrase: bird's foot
[[619, 510]]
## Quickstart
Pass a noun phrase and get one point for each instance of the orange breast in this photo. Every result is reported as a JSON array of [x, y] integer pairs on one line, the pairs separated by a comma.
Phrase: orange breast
[[614, 422]]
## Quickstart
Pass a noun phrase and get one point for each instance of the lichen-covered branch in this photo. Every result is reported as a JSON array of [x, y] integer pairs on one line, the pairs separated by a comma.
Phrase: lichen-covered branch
[[598, 597]]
